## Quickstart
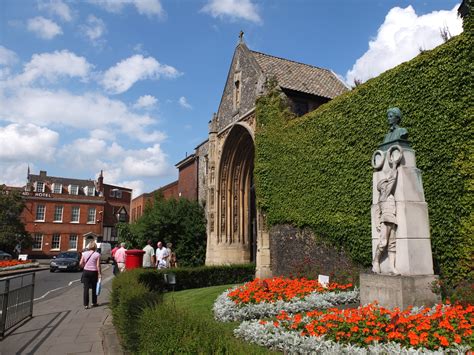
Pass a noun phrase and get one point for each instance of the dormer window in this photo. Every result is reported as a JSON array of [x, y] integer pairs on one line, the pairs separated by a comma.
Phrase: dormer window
[[73, 189], [89, 190], [237, 90], [57, 188], [39, 186]]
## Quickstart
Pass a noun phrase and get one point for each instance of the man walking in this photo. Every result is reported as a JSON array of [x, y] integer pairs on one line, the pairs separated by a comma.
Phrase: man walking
[[149, 256], [120, 257], [162, 256]]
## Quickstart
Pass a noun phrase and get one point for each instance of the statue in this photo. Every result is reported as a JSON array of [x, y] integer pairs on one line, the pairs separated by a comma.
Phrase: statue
[[394, 116], [386, 221]]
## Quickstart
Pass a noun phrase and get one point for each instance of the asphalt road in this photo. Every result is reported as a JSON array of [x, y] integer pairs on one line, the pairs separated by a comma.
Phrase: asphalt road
[[53, 284]]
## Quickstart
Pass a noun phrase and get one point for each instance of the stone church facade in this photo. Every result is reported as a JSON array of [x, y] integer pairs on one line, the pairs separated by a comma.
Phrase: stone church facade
[[236, 230]]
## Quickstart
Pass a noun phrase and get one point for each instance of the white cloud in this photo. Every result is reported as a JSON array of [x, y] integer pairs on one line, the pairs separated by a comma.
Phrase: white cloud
[[102, 134], [88, 111], [184, 103], [146, 102], [7, 57], [27, 141], [400, 38], [233, 9], [94, 29], [52, 66], [144, 7], [149, 162], [137, 187], [43, 27], [56, 7], [123, 75], [13, 174]]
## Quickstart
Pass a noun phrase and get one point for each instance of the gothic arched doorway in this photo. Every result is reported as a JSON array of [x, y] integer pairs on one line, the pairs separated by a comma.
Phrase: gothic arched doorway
[[237, 220]]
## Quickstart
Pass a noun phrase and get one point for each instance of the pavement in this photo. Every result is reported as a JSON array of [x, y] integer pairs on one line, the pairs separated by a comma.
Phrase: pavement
[[61, 325]]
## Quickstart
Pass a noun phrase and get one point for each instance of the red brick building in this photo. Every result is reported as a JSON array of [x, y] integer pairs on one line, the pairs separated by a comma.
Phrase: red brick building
[[62, 213], [139, 203], [186, 186]]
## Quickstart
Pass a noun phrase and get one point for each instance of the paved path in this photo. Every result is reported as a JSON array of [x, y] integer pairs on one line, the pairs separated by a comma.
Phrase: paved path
[[61, 325]]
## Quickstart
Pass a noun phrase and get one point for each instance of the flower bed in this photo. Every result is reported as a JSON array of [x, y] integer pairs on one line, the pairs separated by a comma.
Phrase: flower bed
[[371, 328], [265, 298], [6, 265]]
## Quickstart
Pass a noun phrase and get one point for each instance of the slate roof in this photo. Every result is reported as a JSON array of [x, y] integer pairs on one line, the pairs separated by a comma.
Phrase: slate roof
[[300, 77], [61, 180]]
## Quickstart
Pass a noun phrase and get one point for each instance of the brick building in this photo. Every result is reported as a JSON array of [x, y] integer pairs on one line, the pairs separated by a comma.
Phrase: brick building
[[139, 203], [63, 213]]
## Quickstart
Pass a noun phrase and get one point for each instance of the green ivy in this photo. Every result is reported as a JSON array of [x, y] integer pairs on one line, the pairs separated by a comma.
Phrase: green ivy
[[315, 170]]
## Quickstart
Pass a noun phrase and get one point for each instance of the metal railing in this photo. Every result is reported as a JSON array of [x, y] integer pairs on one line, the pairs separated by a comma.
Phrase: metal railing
[[16, 300]]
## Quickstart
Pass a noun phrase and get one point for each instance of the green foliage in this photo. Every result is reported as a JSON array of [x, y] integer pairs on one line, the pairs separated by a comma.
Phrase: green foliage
[[12, 229], [128, 301], [315, 170], [181, 222], [179, 331], [125, 234], [197, 277]]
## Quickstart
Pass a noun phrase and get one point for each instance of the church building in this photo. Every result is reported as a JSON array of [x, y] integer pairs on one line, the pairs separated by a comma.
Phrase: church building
[[236, 229]]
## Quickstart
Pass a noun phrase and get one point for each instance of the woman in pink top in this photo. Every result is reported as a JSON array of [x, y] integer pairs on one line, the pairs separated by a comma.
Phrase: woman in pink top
[[90, 261]]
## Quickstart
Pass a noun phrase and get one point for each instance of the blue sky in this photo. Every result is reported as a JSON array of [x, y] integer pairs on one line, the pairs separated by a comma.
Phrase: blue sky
[[129, 86]]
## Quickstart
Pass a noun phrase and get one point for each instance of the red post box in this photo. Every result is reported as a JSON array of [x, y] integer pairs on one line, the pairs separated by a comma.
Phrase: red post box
[[134, 259]]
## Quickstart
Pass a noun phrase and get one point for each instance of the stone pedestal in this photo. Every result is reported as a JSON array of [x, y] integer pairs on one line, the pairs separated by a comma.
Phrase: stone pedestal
[[414, 256], [392, 291]]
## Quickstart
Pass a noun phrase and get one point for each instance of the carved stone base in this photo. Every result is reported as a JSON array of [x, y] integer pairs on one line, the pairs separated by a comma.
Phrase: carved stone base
[[392, 291]]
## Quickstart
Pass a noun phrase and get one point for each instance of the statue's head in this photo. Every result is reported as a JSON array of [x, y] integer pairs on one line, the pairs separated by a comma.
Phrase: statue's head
[[394, 115]]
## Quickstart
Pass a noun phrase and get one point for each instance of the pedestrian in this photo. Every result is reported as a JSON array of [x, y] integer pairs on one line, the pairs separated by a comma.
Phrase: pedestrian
[[172, 258], [120, 257], [115, 268], [90, 262], [149, 256], [162, 256]]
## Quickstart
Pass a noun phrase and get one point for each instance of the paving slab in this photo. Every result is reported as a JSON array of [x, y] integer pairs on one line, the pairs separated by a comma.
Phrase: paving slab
[[61, 325]]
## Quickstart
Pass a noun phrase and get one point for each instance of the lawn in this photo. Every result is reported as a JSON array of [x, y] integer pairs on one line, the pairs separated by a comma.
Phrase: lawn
[[198, 302]]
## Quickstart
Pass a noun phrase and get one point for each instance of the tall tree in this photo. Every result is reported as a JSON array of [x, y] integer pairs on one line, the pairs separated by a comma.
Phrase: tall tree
[[12, 229], [180, 222]]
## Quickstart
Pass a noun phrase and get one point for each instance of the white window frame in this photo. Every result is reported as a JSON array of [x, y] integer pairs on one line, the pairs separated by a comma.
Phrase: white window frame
[[89, 215], [73, 189], [78, 214], [34, 241], [44, 213], [55, 214], [89, 190], [59, 241], [37, 186], [57, 188], [72, 237]]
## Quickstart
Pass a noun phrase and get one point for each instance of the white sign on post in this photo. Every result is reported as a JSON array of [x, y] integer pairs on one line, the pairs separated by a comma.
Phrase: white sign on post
[[23, 257], [323, 280]]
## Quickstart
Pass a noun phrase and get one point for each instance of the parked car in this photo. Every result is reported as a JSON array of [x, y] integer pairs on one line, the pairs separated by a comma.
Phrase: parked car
[[105, 250], [4, 255], [66, 261]]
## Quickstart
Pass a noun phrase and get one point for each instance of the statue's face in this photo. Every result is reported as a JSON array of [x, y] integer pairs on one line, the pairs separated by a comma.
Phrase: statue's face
[[392, 118]]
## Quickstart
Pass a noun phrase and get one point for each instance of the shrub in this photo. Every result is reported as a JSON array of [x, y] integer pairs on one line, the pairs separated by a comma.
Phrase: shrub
[[128, 300], [198, 277]]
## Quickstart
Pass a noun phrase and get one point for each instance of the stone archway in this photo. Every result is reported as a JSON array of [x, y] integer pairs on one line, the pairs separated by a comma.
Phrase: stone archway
[[236, 195]]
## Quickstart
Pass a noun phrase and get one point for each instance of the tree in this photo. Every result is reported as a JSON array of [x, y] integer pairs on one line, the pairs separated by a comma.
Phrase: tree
[[180, 222], [12, 229]]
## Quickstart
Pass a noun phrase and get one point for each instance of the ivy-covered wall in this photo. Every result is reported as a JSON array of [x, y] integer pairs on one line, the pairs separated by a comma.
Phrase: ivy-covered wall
[[314, 171]]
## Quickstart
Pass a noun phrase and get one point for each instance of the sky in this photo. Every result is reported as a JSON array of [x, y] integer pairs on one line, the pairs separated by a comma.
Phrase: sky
[[129, 86]]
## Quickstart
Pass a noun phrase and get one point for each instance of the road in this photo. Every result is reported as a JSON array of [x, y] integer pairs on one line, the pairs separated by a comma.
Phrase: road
[[49, 285]]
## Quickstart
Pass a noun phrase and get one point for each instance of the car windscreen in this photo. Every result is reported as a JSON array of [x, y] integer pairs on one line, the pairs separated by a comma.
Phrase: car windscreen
[[67, 255]]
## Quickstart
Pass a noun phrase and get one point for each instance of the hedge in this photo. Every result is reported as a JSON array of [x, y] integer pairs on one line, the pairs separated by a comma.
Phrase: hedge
[[315, 170], [198, 277]]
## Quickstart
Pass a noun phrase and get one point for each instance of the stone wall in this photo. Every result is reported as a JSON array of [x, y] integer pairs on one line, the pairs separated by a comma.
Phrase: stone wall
[[250, 82], [298, 252], [202, 152]]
